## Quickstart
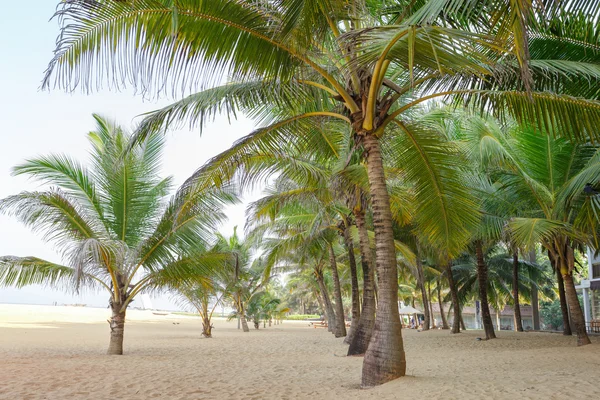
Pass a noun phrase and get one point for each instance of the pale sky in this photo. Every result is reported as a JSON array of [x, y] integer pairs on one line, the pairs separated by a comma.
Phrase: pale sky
[[36, 123]]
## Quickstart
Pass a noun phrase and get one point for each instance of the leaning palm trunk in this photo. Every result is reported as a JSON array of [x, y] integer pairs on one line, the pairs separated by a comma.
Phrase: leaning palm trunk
[[515, 292], [340, 327], [562, 298], [245, 327], [421, 283], [206, 315], [568, 261], [455, 302], [441, 303], [384, 359], [242, 315], [575, 309], [354, 280], [321, 304], [482, 278], [329, 313], [364, 330], [433, 324], [117, 329]]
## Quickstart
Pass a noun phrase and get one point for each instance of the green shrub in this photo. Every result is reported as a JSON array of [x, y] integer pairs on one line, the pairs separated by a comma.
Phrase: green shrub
[[300, 317]]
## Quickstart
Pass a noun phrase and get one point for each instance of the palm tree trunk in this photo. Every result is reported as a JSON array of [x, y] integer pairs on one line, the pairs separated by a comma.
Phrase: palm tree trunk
[[441, 303], [498, 320], [462, 321], [321, 305], [433, 325], [364, 330], [563, 301], [421, 283], [482, 277], [575, 308], [354, 280], [244, 322], [535, 303], [455, 302], [572, 299], [515, 292], [206, 327], [242, 313], [340, 326], [205, 314], [384, 359], [330, 314], [117, 329]]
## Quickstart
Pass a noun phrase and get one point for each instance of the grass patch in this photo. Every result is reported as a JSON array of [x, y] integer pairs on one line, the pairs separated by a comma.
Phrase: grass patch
[[300, 317]]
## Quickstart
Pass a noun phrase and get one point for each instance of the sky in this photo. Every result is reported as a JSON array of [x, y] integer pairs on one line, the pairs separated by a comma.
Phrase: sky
[[38, 122]]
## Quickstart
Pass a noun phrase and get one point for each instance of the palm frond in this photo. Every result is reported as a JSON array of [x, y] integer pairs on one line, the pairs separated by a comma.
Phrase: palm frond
[[25, 271], [189, 42]]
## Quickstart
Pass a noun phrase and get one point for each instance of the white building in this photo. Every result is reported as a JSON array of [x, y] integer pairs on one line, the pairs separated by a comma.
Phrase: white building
[[591, 293]]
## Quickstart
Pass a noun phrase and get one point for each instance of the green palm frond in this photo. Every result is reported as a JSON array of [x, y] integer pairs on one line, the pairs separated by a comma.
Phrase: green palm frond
[[567, 116], [446, 212], [177, 38], [428, 49], [53, 213], [65, 172], [527, 232], [25, 271], [239, 164], [256, 99], [186, 272]]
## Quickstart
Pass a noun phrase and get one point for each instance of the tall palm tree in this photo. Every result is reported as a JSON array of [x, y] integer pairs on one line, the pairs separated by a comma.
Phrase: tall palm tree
[[113, 223], [361, 63]]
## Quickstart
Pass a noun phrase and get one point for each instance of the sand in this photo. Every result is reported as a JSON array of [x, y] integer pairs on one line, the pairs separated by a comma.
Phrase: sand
[[58, 353]]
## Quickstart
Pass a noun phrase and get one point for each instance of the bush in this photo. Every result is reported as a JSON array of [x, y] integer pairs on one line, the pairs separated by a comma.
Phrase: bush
[[552, 315], [300, 317]]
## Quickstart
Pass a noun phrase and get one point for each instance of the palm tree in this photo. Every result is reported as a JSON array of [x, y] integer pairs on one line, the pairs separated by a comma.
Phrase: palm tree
[[113, 224], [206, 295], [362, 64], [247, 276]]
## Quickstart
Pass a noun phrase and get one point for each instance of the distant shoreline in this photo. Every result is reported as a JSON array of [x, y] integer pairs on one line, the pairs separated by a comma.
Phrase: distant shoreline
[[81, 305]]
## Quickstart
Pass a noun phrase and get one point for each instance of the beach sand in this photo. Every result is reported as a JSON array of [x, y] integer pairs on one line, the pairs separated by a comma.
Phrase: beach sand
[[58, 353]]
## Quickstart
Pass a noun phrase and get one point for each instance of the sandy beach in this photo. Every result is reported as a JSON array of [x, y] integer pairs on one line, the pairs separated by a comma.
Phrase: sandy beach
[[53, 352]]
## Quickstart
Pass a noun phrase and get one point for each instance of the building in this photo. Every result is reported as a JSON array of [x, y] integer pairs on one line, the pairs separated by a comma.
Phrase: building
[[590, 289]]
